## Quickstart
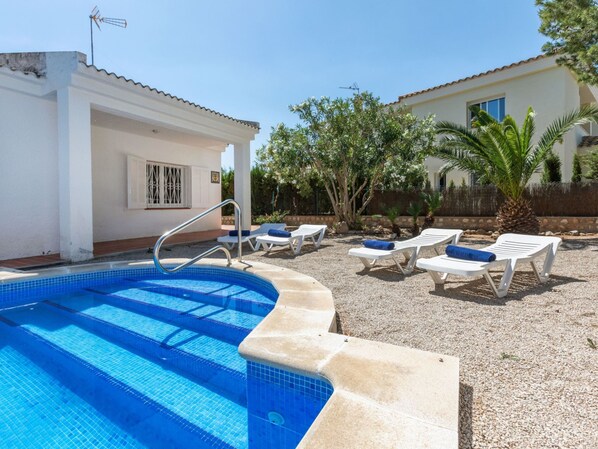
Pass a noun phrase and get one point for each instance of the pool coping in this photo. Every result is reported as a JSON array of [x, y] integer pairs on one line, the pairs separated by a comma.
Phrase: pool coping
[[385, 396]]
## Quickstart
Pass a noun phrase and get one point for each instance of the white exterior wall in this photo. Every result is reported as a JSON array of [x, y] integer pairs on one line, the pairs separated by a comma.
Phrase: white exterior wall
[[29, 210], [64, 179], [551, 92], [112, 220]]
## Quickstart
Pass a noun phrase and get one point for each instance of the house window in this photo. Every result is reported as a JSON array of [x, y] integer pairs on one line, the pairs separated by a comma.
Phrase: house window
[[495, 107], [155, 185], [165, 185], [442, 182]]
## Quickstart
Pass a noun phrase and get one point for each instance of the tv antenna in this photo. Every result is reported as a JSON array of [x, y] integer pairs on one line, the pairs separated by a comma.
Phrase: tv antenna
[[353, 87], [96, 17]]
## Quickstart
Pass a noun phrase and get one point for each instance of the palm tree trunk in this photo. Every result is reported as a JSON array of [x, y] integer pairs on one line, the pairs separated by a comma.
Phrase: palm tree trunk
[[517, 216]]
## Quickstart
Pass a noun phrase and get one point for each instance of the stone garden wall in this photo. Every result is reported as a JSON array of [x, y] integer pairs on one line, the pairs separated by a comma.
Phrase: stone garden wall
[[553, 224]]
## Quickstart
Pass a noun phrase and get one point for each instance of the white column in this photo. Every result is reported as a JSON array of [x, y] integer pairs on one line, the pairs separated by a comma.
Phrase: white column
[[243, 181], [74, 170]]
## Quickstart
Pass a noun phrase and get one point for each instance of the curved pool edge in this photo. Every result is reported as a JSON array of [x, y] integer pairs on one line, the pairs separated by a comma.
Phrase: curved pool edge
[[384, 396]]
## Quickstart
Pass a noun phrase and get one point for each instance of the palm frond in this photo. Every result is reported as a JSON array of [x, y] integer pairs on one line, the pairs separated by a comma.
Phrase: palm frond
[[557, 130], [502, 152]]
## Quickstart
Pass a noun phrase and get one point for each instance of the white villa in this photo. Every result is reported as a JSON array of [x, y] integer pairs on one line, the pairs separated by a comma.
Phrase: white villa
[[539, 82], [88, 156]]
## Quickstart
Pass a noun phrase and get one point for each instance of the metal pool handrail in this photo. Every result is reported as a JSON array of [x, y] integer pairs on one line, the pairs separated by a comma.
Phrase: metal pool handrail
[[182, 226]]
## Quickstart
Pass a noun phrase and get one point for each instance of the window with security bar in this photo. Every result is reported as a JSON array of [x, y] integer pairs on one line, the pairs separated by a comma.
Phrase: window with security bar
[[166, 185]]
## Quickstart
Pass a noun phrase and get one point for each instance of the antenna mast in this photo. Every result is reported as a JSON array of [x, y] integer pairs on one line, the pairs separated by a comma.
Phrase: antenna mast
[[353, 87], [96, 18]]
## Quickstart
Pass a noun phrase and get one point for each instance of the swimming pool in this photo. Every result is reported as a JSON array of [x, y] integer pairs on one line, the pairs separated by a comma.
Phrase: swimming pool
[[132, 358]]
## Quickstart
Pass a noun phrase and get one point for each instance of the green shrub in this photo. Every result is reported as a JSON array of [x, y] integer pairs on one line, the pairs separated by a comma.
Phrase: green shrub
[[552, 169], [591, 159], [576, 176], [415, 209], [275, 217]]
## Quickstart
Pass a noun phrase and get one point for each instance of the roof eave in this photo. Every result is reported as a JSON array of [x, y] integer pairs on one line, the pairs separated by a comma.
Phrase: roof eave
[[138, 85], [521, 68]]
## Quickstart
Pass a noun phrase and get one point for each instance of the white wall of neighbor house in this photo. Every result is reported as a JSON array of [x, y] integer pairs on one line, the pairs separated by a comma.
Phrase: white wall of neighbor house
[[29, 224], [112, 217], [551, 93]]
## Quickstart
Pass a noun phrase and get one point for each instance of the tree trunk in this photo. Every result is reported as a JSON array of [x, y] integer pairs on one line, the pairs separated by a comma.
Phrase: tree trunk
[[517, 216]]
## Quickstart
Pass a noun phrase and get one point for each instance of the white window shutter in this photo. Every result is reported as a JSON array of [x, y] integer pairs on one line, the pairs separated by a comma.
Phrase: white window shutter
[[200, 187], [136, 182]]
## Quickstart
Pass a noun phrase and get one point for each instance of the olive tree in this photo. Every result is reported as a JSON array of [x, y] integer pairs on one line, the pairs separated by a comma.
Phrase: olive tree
[[353, 146]]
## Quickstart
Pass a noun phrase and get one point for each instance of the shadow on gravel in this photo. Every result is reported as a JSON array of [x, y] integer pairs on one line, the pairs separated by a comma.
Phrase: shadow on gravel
[[465, 414], [388, 273], [578, 244], [356, 240], [339, 324], [286, 253], [478, 291]]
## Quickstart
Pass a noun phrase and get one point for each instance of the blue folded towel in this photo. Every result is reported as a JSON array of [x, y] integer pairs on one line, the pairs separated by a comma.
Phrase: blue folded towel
[[379, 244], [278, 233], [244, 233], [461, 252]]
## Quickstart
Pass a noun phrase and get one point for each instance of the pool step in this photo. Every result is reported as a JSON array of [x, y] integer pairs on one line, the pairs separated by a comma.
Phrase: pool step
[[231, 297], [179, 409], [210, 360], [219, 322], [27, 387]]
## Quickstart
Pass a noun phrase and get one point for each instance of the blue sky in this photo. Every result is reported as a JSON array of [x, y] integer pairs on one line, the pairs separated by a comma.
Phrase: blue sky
[[252, 59]]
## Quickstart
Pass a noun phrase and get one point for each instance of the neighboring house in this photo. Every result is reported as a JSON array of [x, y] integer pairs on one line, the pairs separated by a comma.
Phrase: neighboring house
[[539, 82], [88, 156]]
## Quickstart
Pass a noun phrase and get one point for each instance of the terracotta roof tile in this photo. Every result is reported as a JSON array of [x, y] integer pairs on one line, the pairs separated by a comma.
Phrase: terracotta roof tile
[[499, 69], [588, 141], [254, 125]]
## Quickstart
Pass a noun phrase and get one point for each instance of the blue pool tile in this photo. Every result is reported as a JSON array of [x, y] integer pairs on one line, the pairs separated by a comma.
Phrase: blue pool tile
[[135, 344], [294, 398], [36, 410]]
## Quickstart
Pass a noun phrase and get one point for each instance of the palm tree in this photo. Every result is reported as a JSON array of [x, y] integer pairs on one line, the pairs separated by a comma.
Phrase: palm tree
[[503, 154], [433, 201]]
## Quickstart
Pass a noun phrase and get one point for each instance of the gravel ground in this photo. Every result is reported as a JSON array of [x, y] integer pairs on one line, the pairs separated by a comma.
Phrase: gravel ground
[[529, 376]]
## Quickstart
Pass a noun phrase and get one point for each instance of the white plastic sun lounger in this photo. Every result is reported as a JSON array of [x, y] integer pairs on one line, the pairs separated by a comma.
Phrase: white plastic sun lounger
[[510, 250], [411, 248], [296, 240], [230, 241]]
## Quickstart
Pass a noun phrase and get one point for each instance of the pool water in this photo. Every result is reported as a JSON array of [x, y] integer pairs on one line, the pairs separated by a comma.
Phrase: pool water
[[137, 359]]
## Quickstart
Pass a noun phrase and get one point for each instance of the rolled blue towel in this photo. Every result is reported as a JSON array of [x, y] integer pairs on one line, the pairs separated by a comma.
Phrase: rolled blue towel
[[461, 252], [278, 233], [379, 244], [244, 233]]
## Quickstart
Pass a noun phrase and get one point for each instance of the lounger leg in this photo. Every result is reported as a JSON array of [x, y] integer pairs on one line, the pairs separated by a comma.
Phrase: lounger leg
[[492, 286], [437, 277], [229, 245], [401, 269], [299, 243], [505, 282], [547, 267], [368, 263], [411, 262], [252, 246], [320, 237]]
